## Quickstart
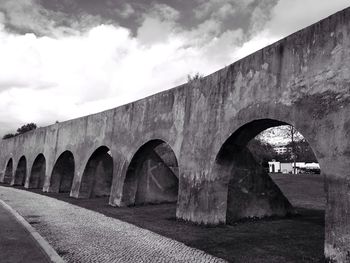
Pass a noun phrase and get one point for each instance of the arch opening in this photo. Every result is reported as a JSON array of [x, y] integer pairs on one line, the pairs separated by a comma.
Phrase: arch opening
[[98, 174], [251, 193], [63, 173], [37, 175], [21, 171], [278, 178], [8, 172], [152, 175]]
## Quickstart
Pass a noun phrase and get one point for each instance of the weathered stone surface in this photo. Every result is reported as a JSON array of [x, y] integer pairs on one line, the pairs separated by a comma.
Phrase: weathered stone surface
[[152, 176], [303, 80], [37, 178], [251, 191], [8, 173], [21, 172], [98, 174], [62, 174]]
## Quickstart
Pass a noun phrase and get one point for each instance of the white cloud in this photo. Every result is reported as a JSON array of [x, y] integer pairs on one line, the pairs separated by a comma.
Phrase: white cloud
[[158, 24], [61, 76], [154, 30], [284, 18], [256, 43], [290, 16], [46, 79]]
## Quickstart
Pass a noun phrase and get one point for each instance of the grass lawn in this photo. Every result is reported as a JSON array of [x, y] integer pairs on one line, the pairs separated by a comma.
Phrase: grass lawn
[[302, 190], [296, 239]]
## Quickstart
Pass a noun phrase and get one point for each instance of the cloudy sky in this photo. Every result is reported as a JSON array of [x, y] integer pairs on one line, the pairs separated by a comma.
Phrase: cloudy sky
[[61, 59]]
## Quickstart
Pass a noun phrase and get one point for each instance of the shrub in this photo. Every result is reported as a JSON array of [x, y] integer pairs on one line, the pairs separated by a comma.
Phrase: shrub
[[193, 78], [7, 136], [26, 128]]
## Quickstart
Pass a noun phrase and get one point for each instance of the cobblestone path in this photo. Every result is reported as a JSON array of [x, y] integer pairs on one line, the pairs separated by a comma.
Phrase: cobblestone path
[[81, 235]]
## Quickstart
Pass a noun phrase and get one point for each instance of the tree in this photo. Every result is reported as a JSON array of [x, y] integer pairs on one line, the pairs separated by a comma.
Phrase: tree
[[284, 157], [194, 78], [300, 148], [283, 133], [287, 133], [291, 133], [303, 152], [262, 151], [26, 128], [7, 136]]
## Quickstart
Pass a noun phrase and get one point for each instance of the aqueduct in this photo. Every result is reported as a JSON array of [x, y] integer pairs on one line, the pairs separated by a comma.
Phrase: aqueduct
[[184, 144]]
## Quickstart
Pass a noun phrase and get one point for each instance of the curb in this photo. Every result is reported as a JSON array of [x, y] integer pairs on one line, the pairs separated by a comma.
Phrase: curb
[[43, 244]]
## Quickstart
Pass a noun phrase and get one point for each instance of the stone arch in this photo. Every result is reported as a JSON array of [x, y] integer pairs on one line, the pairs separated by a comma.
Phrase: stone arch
[[8, 172], [243, 188], [21, 171], [98, 174], [63, 173], [152, 175], [37, 174]]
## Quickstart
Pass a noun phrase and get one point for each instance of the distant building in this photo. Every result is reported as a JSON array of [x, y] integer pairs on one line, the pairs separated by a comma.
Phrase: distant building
[[281, 149], [287, 167]]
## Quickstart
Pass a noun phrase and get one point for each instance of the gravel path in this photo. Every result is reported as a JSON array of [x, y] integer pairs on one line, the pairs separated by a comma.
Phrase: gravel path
[[81, 235]]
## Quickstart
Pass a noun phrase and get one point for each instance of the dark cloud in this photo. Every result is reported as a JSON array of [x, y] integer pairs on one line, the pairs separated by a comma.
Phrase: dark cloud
[[32, 17], [50, 17], [122, 13]]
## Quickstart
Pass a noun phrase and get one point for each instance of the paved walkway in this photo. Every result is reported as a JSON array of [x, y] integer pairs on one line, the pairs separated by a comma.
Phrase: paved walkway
[[81, 235], [16, 243]]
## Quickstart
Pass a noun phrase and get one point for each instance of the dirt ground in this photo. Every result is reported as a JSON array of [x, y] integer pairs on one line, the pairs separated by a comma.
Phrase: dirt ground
[[295, 239]]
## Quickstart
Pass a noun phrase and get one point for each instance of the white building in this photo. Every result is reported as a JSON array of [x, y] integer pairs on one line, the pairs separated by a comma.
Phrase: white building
[[281, 149], [278, 167], [274, 167]]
